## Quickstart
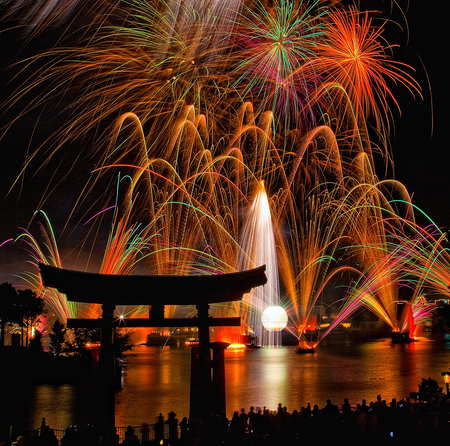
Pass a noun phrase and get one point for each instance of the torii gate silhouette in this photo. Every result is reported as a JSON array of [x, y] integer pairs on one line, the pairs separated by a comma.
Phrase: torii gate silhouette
[[207, 389]]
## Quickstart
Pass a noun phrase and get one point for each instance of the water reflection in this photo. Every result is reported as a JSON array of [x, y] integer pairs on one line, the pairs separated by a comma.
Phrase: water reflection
[[158, 381], [60, 405], [336, 371]]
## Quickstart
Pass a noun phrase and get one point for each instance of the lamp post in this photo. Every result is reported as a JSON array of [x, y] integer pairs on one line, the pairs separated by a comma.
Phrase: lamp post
[[446, 376]]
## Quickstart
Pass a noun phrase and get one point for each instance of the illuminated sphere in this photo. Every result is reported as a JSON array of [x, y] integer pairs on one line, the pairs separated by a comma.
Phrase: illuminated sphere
[[274, 318]]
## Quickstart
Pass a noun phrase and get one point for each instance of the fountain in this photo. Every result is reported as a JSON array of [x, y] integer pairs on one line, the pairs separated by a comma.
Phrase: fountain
[[258, 245]]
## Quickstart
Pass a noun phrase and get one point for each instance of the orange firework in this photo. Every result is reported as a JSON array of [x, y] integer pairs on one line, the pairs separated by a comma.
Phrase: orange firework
[[355, 56]]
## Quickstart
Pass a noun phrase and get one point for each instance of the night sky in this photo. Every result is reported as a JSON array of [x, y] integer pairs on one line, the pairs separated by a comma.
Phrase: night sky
[[419, 144]]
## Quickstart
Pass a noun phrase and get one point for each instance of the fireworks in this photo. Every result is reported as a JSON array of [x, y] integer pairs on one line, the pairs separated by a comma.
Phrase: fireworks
[[209, 99], [357, 59]]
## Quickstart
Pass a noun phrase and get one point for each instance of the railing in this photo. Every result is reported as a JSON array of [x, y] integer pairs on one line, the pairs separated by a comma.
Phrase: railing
[[59, 433], [143, 433]]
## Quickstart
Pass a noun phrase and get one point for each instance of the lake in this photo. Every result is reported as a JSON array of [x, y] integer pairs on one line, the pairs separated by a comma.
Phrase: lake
[[157, 380]]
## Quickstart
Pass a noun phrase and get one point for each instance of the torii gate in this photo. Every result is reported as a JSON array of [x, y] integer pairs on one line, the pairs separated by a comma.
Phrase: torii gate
[[207, 391]]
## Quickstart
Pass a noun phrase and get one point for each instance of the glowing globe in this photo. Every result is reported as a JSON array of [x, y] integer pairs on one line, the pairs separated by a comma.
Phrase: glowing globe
[[274, 318]]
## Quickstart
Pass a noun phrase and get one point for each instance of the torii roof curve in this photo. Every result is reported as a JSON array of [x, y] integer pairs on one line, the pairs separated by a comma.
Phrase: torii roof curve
[[87, 287]]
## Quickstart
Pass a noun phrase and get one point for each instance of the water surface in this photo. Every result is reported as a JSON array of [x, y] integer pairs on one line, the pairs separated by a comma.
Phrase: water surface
[[158, 380]]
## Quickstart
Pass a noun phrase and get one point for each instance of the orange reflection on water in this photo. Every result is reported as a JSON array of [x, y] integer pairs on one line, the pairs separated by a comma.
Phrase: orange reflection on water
[[256, 377], [340, 369], [60, 405]]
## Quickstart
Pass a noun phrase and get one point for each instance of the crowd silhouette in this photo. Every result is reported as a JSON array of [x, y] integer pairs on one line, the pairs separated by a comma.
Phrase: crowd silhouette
[[422, 418]]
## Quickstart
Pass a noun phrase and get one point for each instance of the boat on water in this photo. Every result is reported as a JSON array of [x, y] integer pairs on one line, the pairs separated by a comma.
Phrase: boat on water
[[304, 350], [305, 347], [250, 341], [160, 340], [401, 338], [251, 346]]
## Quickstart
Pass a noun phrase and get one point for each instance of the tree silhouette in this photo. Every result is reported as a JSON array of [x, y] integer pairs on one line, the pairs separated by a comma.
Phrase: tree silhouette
[[29, 309], [57, 338], [8, 301], [81, 338], [121, 344], [36, 342]]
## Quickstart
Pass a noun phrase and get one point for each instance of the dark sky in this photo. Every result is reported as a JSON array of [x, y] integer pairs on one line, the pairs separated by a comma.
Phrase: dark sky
[[419, 145]]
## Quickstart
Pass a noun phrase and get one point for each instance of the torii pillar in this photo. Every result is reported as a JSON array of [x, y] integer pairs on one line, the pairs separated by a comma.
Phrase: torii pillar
[[208, 381], [106, 370]]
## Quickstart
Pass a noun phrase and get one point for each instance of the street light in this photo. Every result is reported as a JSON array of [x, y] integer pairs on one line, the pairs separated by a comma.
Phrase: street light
[[446, 376]]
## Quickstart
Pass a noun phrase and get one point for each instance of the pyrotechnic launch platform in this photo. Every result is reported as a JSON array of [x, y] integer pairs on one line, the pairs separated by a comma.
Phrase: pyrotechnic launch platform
[[207, 382]]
